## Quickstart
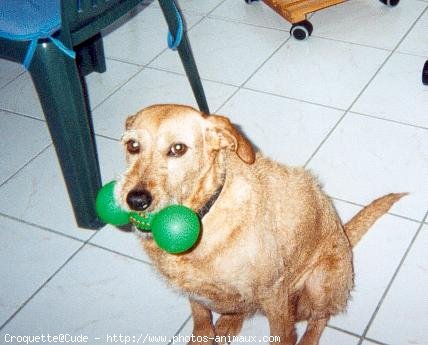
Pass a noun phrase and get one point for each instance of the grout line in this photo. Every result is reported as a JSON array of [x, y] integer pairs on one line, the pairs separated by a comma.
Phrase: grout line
[[183, 74], [107, 137], [421, 55], [385, 293], [389, 120], [294, 99], [374, 341], [353, 43], [258, 26], [26, 164], [22, 115], [13, 79], [135, 64], [118, 253], [389, 213], [41, 227], [180, 329], [344, 331]]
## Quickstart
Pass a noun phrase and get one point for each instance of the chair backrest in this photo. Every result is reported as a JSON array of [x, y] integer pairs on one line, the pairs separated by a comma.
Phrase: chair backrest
[[83, 19]]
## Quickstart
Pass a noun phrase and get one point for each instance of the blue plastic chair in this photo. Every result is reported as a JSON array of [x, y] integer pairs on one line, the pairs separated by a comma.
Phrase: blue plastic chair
[[59, 42]]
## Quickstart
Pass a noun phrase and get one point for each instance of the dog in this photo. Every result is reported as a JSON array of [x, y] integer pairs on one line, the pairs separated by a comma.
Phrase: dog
[[271, 239]]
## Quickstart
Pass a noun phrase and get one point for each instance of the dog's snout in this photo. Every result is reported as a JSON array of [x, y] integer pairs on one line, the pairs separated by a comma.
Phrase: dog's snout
[[139, 199]]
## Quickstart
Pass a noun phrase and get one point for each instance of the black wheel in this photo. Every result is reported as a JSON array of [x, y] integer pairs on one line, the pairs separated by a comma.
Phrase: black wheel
[[390, 3], [250, 1], [301, 30], [425, 73]]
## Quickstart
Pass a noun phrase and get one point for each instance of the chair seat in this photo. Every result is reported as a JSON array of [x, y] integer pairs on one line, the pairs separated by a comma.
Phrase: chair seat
[[25, 20]]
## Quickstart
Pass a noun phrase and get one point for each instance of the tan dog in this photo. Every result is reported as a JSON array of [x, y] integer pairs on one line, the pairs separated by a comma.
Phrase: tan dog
[[271, 241]]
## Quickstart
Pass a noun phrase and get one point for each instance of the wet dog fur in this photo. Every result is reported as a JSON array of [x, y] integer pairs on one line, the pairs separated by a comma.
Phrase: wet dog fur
[[272, 242]]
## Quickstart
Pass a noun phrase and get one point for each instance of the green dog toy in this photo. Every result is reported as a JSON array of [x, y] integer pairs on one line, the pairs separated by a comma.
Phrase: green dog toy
[[175, 228]]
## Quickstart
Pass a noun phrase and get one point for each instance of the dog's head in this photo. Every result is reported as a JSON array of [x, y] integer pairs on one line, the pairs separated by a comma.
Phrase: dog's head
[[176, 155]]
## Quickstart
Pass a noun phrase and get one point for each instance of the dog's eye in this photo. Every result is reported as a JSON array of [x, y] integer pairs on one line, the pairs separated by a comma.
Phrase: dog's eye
[[177, 150], [133, 146]]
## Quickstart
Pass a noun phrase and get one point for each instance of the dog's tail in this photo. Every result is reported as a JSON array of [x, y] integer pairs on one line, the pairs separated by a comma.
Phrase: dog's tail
[[363, 220]]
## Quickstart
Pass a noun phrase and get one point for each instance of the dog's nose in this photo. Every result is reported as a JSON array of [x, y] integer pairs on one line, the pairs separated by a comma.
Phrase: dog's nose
[[139, 199]]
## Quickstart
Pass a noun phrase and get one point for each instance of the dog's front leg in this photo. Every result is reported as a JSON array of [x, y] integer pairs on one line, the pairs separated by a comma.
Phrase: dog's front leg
[[203, 329], [280, 311], [228, 326]]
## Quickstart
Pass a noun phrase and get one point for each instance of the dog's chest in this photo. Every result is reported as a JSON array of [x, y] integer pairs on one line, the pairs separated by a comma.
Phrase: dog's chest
[[218, 289]]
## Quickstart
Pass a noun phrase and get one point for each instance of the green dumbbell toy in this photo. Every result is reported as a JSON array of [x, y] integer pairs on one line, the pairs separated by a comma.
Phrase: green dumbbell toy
[[175, 228]]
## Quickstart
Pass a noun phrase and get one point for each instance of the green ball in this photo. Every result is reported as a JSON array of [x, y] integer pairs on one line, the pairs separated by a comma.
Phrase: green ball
[[107, 207], [176, 228]]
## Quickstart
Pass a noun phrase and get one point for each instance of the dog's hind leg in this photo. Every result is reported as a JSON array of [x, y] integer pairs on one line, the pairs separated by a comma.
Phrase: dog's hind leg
[[325, 294], [228, 326], [203, 328]]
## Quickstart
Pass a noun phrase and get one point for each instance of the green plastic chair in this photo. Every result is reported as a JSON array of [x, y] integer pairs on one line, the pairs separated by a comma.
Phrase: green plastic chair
[[58, 79]]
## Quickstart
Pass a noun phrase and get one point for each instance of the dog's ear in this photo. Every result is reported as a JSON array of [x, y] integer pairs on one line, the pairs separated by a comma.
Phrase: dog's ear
[[129, 121], [227, 136]]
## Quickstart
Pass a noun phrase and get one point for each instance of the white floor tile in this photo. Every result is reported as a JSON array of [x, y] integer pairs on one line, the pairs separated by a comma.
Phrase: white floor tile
[[28, 257], [402, 318], [20, 96], [365, 158], [143, 37], [9, 70], [397, 92], [285, 130], [416, 41], [256, 13], [38, 194], [100, 293], [225, 51], [376, 258], [21, 139], [149, 87], [366, 342], [112, 158], [101, 85], [383, 26], [120, 241], [318, 70]]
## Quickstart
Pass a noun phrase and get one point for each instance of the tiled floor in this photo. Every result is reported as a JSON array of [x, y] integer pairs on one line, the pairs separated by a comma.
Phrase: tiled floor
[[348, 103]]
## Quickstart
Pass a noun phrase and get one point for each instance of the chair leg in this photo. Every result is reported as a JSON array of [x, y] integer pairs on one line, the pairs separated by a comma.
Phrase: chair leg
[[58, 85], [186, 55], [90, 56]]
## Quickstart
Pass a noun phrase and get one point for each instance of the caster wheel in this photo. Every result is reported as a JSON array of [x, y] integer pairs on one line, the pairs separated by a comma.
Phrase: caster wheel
[[425, 74], [301, 30], [250, 1], [390, 3]]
